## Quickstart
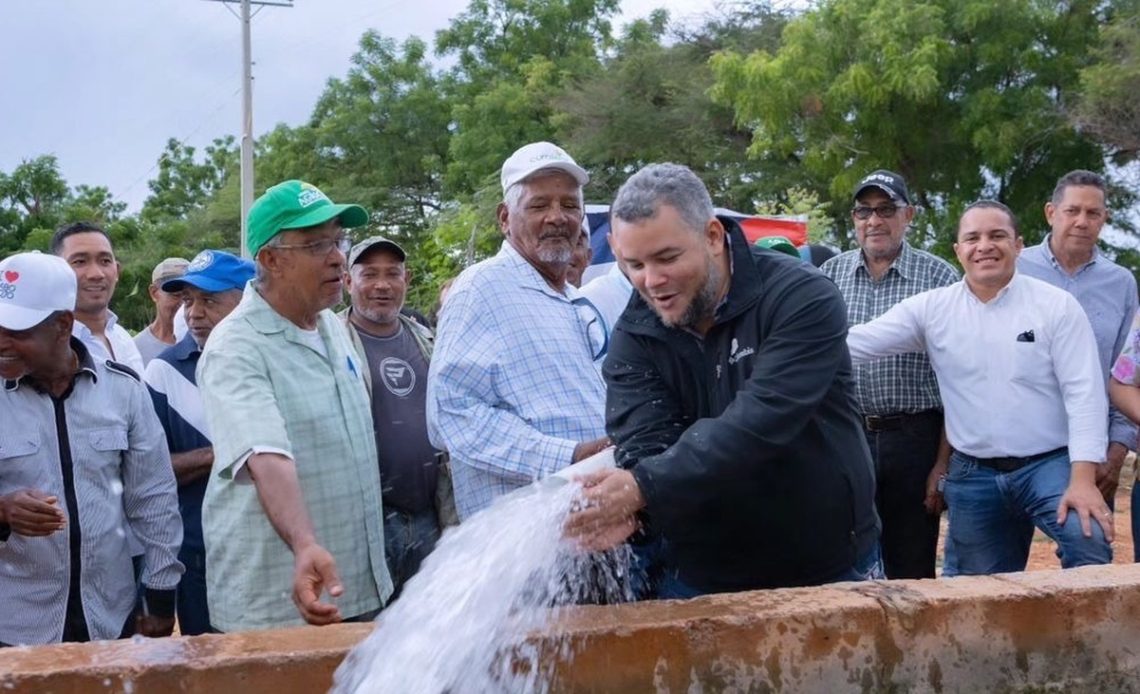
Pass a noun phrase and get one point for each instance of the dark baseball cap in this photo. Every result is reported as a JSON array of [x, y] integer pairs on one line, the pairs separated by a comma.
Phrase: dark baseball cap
[[889, 182], [375, 242]]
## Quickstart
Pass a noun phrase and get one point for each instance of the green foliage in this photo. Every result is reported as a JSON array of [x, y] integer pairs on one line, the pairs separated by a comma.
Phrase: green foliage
[[964, 98], [798, 201], [1108, 106]]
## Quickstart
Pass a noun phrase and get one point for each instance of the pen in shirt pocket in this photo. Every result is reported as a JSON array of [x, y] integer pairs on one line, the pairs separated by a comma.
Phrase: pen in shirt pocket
[[1026, 336]]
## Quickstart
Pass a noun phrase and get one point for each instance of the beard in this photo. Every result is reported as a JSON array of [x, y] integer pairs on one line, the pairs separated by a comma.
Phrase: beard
[[703, 304], [555, 255]]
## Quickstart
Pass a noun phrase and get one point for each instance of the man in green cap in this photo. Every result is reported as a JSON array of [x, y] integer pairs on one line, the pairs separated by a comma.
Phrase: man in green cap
[[294, 507]]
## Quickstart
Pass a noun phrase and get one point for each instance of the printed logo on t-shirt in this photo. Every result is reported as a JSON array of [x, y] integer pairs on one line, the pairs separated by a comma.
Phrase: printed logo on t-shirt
[[398, 376]]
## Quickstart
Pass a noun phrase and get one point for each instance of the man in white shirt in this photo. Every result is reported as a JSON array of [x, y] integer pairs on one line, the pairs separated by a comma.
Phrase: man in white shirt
[[87, 249], [1026, 412]]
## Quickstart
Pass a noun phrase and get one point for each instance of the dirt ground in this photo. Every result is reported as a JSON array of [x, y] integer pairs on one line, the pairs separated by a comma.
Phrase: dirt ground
[[1042, 554]]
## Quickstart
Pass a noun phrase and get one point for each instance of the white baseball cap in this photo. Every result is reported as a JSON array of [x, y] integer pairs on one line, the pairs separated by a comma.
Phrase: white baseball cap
[[537, 156], [32, 287]]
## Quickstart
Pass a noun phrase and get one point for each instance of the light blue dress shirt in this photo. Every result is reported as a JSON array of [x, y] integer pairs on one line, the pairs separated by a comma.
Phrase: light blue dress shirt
[[514, 384]]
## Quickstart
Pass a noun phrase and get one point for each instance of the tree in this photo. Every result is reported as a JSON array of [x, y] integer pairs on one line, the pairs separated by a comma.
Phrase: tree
[[185, 184], [1109, 107], [965, 98], [31, 197]]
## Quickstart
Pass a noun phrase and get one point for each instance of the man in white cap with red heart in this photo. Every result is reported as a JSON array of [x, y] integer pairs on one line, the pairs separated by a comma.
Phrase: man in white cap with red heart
[[83, 466]]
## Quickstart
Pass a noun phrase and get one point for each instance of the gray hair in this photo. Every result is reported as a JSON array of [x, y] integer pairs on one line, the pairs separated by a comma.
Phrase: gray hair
[[261, 275], [512, 196], [640, 197], [1079, 177]]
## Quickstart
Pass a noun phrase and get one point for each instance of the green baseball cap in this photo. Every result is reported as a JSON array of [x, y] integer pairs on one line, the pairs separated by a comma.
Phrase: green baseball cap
[[294, 205], [778, 243]]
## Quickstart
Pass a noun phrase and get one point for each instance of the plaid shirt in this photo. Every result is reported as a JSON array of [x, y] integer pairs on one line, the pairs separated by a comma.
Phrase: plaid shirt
[[904, 383], [266, 388], [513, 386]]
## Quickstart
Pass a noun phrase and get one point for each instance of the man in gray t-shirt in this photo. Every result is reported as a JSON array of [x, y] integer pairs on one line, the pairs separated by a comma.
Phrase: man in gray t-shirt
[[397, 350]]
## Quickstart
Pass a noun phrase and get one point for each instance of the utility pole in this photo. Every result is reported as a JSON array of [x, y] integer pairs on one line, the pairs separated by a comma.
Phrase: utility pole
[[247, 109]]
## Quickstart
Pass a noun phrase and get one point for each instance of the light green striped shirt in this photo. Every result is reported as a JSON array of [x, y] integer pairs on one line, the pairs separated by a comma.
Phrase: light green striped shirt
[[266, 387]]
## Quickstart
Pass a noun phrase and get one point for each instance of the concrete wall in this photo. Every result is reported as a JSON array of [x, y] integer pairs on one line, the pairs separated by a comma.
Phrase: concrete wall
[[1076, 630]]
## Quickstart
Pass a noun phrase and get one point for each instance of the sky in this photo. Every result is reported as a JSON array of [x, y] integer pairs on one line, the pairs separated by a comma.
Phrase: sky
[[102, 84]]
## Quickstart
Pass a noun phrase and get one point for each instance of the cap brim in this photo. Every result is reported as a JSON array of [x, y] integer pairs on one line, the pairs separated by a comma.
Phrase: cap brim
[[350, 216], [20, 318], [206, 284]]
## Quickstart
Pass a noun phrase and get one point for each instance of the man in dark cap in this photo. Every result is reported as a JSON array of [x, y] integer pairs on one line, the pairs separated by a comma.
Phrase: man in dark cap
[[898, 396]]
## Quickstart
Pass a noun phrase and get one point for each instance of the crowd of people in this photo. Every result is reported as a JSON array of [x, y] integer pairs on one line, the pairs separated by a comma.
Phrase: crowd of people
[[252, 459]]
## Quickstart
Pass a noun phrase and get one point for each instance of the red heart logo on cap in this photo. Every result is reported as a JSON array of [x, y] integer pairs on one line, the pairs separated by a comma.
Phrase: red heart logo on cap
[[11, 276]]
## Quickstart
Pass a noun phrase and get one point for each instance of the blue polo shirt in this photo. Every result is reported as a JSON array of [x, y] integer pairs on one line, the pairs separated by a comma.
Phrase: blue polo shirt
[[170, 377]]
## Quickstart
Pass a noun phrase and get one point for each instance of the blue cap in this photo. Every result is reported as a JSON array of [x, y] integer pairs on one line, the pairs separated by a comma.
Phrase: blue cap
[[213, 271]]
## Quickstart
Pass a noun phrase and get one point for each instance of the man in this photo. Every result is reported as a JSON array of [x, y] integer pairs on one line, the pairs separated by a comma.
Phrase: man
[[293, 505], [87, 249], [730, 403], [1025, 401], [210, 290], [580, 258], [82, 464], [397, 350], [159, 335], [1068, 258], [513, 391], [898, 396]]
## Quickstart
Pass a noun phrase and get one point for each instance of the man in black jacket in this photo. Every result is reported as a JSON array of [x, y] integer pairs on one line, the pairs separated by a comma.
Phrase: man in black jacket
[[730, 400]]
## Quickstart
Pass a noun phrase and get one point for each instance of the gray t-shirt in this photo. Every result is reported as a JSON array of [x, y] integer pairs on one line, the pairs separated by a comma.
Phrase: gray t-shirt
[[408, 468], [149, 345]]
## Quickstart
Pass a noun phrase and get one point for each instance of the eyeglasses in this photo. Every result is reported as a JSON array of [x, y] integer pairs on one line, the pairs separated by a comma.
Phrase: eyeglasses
[[342, 243], [593, 325], [884, 211]]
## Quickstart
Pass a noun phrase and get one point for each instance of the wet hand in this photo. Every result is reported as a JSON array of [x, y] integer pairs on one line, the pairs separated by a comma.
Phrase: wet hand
[[314, 570], [604, 516], [32, 513]]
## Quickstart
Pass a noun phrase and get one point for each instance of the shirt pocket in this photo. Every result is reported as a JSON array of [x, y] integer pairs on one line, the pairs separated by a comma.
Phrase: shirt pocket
[[107, 446], [20, 466], [1033, 364]]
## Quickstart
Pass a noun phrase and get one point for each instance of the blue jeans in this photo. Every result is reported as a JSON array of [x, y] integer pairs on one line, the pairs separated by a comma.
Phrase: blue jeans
[[193, 611], [868, 568], [408, 539], [992, 516]]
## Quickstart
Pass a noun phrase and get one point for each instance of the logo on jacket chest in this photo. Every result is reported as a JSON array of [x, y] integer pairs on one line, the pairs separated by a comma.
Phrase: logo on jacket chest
[[735, 353]]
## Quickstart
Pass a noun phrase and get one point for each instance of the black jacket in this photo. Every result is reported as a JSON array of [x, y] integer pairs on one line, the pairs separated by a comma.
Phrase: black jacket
[[747, 445]]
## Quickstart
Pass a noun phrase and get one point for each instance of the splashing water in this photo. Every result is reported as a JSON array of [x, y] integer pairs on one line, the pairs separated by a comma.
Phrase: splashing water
[[463, 621]]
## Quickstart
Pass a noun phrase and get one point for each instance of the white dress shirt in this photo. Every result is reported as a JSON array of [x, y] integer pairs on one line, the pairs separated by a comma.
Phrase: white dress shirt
[[1019, 374], [126, 352], [610, 293]]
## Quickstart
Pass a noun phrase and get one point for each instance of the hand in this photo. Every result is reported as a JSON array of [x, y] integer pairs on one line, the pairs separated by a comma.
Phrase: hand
[[1108, 474], [588, 448], [934, 502], [605, 516], [32, 513], [154, 626], [1083, 497], [314, 569]]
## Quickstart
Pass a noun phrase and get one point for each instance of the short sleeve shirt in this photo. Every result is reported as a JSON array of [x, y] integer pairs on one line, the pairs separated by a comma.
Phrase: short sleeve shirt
[[265, 386]]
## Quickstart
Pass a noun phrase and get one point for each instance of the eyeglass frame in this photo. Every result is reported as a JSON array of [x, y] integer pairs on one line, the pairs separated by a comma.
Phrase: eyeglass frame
[[342, 242], [894, 210], [598, 318]]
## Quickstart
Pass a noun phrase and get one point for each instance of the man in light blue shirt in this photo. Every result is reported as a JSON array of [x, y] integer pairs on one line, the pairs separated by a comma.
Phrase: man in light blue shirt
[[1068, 258], [514, 390]]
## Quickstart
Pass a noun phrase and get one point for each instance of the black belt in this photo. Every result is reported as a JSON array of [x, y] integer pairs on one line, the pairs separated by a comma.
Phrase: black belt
[[892, 422], [1010, 463]]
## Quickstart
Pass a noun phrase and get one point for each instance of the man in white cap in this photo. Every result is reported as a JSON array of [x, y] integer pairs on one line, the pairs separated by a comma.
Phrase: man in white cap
[[514, 392], [83, 465]]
